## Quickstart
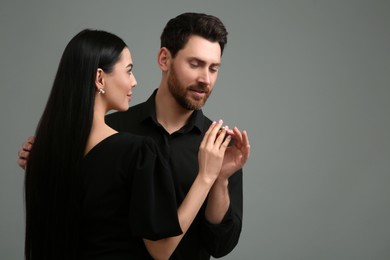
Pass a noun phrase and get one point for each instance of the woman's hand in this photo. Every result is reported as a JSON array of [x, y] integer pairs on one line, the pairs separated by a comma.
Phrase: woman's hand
[[212, 150]]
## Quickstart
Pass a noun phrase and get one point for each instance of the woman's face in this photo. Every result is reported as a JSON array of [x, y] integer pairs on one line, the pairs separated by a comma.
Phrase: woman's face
[[118, 84]]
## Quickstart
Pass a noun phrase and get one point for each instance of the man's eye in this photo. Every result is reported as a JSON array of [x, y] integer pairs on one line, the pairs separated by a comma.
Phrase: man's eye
[[194, 65], [214, 69]]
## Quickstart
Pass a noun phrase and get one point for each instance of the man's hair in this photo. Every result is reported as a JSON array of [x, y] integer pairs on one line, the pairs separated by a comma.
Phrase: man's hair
[[179, 29]]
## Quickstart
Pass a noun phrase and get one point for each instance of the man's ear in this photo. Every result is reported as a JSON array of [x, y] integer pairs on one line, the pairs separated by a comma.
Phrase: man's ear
[[99, 81], [164, 58]]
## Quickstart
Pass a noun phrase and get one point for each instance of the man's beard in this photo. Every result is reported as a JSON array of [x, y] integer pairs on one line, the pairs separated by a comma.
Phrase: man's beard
[[179, 92]]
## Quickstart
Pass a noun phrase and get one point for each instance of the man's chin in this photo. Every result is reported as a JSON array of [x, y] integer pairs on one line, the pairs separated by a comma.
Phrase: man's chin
[[196, 104], [192, 105]]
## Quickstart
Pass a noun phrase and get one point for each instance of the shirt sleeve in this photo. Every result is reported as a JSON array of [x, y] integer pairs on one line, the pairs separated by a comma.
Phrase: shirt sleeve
[[153, 209], [220, 239]]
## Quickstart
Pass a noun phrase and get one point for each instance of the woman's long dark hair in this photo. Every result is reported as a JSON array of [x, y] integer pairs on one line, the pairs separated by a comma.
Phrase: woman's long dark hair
[[52, 183]]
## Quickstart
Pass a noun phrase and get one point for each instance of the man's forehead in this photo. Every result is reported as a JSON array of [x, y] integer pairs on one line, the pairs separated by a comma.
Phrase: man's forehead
[[202, 49]]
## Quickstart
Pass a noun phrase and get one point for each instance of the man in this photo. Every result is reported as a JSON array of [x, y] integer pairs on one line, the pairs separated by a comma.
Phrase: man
[[189, 58]]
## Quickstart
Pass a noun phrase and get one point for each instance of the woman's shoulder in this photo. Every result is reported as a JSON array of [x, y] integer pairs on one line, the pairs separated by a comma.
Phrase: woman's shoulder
[[135, 143], [133, 139], [142, 149], [120, 143]]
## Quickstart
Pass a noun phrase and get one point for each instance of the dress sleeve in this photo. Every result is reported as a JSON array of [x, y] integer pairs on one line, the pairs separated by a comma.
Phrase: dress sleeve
[[153, 208]]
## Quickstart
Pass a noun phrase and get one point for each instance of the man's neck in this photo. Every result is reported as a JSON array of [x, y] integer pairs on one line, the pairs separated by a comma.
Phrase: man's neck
[[169, 113]]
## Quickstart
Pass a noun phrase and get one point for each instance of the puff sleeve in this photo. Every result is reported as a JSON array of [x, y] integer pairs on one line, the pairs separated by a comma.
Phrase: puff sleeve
[[153, 208]]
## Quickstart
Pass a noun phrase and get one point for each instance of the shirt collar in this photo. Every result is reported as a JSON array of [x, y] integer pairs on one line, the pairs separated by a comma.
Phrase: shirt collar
[[196, 120]]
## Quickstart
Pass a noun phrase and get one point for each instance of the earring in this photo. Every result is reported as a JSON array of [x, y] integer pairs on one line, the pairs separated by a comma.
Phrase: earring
[[101, 91]]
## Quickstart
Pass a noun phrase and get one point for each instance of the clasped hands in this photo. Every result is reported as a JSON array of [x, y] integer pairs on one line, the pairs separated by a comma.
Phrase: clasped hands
[[217, 156]]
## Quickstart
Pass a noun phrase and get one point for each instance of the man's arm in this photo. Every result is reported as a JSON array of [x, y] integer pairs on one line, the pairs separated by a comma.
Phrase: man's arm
[[224, 205], [235, 158], [221, 238]]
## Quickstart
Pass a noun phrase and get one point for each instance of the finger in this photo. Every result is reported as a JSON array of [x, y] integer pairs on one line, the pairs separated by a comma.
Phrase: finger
[[214, 129], [236, 136], [246, 145], [31, 139], [230, 132], [22, 163], [217, 127], [225, 143], [23, 154], [207, 134], [20, 153], [222, 134], [27, 146]]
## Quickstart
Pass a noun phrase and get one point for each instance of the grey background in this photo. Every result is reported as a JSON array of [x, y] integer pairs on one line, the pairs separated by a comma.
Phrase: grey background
[[309, 81]]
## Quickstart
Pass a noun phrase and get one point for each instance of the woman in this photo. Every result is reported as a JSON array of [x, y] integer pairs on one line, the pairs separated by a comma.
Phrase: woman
[[94, 193]]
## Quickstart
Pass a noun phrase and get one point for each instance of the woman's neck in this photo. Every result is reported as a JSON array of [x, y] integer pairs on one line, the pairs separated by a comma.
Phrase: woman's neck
[[99, 130]]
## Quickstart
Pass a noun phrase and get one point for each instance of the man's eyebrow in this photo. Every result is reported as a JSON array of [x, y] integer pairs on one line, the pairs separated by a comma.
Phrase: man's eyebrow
[[202, 62]]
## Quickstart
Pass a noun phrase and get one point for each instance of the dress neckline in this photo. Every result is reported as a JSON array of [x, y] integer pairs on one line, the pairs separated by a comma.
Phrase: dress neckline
[[99, 144]]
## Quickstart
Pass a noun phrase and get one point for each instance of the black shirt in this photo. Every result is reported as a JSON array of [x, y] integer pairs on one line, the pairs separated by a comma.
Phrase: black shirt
[[181, 151], [128, 195]]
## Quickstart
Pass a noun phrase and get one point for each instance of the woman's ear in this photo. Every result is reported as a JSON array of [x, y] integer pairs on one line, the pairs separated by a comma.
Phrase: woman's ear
[[99, 81], [164, 58]]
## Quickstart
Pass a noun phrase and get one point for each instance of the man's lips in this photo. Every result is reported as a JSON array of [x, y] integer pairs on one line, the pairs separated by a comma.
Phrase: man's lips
[[198, 93], [199, 90]]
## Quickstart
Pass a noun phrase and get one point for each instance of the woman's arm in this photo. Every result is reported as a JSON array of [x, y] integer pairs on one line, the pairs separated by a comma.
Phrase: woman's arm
[[211, 154]]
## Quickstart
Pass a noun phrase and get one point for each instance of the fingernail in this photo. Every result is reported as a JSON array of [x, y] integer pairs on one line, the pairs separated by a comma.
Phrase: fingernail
[[220, 121]]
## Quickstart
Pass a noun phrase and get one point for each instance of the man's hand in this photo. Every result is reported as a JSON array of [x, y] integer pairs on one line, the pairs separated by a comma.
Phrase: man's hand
[[235, 155], [24, 152]]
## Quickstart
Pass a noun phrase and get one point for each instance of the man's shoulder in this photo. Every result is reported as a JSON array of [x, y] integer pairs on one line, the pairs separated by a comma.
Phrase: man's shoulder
[[126, 120], [206, 120], [132, 111]]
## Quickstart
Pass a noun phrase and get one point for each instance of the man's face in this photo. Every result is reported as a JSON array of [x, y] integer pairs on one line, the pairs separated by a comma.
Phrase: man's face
[[193, 72]]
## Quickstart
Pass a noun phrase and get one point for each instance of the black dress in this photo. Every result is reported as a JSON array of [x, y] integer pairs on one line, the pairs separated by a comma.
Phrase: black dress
[[128, 194]]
